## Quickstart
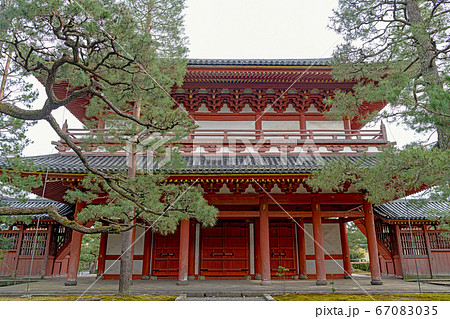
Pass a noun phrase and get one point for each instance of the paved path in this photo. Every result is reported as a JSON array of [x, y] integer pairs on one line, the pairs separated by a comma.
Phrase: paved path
[[89, 285]]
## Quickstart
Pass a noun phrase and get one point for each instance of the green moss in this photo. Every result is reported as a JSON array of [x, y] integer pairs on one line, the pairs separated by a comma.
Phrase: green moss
[[376, 297]]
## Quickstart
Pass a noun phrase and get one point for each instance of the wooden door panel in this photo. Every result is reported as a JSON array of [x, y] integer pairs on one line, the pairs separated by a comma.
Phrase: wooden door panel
[[225, 250], [282, 247], [166, 254]]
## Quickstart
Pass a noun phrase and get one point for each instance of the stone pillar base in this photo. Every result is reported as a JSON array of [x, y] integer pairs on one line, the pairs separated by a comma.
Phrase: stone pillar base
[[145, 278], [321, 283], [70, 283], [303, 277], [347, 277], [266, 282], [182, 283], [376, 282]]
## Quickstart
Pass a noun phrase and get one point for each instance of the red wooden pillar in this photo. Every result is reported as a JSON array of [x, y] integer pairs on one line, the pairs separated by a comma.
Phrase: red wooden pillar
[[75, 248], [301, 249], [398, 260], [372, 244], [147, 253], [18, 248], [264, 241], [184, 253], [318, 243], [191, 268], [102, 254], [47, 269], [345, 249], [303, 126], [428, 247], [257, 251]]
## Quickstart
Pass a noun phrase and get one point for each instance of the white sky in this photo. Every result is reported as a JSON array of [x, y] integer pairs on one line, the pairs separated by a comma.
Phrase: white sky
[[244, 29]]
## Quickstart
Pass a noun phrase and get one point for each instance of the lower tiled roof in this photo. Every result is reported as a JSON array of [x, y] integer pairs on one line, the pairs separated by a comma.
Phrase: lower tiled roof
[[412, 209], [63, 209], [201, 164]]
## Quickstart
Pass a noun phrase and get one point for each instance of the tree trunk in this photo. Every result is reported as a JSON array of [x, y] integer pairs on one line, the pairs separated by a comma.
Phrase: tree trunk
[[426, 51], [126, 261]]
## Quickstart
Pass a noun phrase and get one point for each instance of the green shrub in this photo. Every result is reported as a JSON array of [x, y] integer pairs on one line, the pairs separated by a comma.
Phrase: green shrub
[[361, 266]]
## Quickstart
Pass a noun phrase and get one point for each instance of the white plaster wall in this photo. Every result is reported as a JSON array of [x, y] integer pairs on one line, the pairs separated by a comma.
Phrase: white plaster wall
[[115, 268], [332, 239], [139, 241], [311, 267], [113, 246], [226, 125], [324, 125], [309, 243], [137, 267], [281, 125], [334, 266]]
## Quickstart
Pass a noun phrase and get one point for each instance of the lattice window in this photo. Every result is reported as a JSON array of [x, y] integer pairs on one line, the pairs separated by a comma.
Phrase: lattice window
[[28, 243], [383, 234], [415, 245], [439, 240], [9, 240], [64, 235]]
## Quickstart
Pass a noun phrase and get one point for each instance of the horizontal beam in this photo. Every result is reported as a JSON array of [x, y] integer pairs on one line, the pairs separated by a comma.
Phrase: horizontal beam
[[253, 199]]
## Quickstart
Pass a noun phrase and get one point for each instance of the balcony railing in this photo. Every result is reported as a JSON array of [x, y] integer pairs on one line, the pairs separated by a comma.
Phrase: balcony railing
[[263, 141]]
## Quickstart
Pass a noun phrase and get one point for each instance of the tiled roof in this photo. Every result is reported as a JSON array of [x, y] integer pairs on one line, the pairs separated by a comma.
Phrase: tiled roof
[[412, 209], [262, 62], [63, 209], [239, 164]]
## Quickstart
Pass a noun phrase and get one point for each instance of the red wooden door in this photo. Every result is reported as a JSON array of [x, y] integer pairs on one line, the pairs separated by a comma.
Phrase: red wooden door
[[225, 250], [282, 247], [165, 254]]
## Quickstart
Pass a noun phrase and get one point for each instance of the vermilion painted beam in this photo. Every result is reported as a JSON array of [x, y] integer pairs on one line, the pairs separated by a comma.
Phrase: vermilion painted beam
[[345, 248], [184, 253], [372, 244], [287, 214], [318, 243], [253, 199], [264, 242]]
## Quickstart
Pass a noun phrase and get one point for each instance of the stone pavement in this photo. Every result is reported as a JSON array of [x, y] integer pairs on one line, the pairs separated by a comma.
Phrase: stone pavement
[[89, 285]]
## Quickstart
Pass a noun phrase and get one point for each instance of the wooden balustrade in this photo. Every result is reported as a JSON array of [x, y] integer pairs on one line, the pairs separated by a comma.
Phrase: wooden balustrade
[[210, 139]]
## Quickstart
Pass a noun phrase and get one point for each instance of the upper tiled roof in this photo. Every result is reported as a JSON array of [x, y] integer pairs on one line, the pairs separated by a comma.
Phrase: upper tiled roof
[[63, 209], [262, 62], [412, 209], [239, 164]]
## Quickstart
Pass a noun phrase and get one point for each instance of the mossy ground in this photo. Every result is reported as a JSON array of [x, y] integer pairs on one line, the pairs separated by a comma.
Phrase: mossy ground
[[376, 297], [93, 298]]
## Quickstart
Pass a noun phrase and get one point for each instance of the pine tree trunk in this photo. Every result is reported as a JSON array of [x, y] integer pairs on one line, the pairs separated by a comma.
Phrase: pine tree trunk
[[126, 260], [426, 50]]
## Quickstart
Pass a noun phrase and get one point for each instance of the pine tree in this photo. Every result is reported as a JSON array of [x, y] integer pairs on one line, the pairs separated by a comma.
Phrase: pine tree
[[126, 55], [398, 52]]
